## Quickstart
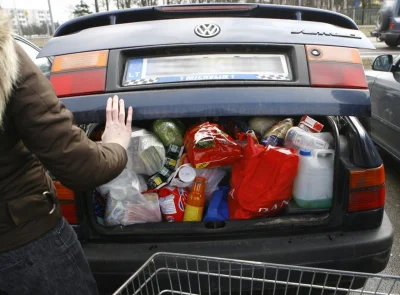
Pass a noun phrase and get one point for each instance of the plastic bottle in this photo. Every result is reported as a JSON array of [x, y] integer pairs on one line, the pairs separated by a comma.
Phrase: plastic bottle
[[195, 201], [313, 186], [298, 138]]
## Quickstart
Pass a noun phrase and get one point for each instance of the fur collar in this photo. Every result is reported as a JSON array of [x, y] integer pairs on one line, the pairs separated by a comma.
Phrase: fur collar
[[8, 63]]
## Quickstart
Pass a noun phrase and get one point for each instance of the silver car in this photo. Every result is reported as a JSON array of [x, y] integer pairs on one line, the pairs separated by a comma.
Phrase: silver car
[[384, 84]]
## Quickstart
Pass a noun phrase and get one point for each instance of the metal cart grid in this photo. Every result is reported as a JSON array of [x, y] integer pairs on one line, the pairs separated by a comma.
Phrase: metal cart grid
[[169, 273]]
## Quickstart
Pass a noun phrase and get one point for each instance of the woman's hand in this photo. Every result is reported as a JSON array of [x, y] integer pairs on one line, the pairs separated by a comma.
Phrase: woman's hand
[[117, 130]]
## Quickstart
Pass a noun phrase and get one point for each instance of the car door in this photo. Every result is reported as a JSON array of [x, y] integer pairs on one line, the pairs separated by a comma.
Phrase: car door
[[385, 106]]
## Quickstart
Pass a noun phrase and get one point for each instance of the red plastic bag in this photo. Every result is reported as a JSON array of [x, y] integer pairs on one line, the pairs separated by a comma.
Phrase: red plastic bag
[[208, 146], [262, 181]]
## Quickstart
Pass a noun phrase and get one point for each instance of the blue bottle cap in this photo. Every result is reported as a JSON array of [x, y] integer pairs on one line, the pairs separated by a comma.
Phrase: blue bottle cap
[[305, 152]]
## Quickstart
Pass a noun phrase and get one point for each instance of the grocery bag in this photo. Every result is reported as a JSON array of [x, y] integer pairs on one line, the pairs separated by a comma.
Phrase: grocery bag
[[261, 183], [208, 146]]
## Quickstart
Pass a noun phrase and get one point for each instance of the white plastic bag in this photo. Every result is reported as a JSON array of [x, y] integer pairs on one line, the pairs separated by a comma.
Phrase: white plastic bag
[[146, 152]]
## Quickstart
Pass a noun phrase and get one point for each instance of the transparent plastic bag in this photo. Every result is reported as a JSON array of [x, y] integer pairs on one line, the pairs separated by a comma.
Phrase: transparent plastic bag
[[213, 176], [141, 209], [146, 152]]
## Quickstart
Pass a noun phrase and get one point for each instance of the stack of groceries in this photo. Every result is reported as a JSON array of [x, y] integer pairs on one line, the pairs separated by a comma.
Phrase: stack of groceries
[[216, 171]]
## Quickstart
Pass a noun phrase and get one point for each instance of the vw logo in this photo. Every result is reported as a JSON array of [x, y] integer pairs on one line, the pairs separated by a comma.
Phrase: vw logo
[[207, 30]]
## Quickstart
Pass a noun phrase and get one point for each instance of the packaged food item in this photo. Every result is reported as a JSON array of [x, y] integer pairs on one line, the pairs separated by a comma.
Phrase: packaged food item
[[261, 125], [131, 211], [276, 135], [218, 208], [207, 146], [173, 151], [309, 124], [195, 201], [298, 138], [213, 177], [165, 174], [172, 203], [154, 181], [313, 186], [170, 163], [262, 181], [148, 152], [170, 131]]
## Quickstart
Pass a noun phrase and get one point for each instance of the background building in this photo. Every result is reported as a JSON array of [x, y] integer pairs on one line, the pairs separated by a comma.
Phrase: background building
[[28, 17]]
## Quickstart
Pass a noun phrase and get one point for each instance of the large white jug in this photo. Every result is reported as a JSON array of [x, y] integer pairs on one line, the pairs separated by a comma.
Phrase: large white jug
[[313, 186]]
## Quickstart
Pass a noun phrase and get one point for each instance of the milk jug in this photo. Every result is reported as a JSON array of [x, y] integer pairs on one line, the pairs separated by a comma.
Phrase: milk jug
[[313, 186]]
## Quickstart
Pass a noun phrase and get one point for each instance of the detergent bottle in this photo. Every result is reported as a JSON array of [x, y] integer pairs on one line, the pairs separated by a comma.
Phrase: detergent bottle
[[313, 185]]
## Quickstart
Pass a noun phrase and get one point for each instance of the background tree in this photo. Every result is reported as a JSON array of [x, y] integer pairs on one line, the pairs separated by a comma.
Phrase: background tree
[[96, 5], [105, 4], [81, 9]]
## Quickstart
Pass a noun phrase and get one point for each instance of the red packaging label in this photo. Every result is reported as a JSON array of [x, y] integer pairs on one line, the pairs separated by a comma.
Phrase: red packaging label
[[309, 124], [172, 203]]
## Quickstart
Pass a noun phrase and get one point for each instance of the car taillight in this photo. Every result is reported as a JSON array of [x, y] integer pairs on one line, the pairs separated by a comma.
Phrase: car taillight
[[79, 73], [335, 67], [367, 189], [392, 26], [67, 203]]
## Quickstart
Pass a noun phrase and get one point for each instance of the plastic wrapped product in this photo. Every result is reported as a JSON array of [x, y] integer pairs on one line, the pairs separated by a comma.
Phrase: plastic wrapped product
[[170, 131], [141, 209], [145, 152], [261, 125]]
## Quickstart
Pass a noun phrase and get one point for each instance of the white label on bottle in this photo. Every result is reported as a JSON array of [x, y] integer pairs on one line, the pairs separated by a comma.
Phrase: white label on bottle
[[167, 205]]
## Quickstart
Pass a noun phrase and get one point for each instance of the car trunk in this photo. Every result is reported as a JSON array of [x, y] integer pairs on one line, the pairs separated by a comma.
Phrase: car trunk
[[292, 218]]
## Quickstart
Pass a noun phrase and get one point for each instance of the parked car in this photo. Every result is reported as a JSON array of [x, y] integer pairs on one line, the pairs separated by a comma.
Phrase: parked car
[[44, 63], [388, 23], [384, 85], [309, 64]]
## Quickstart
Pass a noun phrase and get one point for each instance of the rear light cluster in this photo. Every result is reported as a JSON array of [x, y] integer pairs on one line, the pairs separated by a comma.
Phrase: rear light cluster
[[335, 67], [67, 203], [79, 73], [367, 189]]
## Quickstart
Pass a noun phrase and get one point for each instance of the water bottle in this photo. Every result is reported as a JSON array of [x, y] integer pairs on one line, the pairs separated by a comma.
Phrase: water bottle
[[313, 186], [298, 139]]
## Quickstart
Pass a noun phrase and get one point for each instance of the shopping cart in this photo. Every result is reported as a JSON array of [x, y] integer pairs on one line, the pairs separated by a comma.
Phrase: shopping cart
[[168, 273]]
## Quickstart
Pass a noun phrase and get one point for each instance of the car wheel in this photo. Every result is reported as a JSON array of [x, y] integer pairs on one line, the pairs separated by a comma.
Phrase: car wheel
[[383, 19], [392, 44]]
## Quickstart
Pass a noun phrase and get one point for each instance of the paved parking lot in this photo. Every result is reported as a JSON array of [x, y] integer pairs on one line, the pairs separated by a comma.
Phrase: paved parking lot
[[393, 210]]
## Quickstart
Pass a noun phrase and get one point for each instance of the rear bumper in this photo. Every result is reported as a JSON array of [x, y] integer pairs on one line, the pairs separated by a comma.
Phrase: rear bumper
[[389, 37], [365, 251]]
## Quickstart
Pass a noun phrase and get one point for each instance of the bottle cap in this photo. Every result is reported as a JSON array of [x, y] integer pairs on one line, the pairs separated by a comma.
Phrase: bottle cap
[[187, 174], [305, 152]]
